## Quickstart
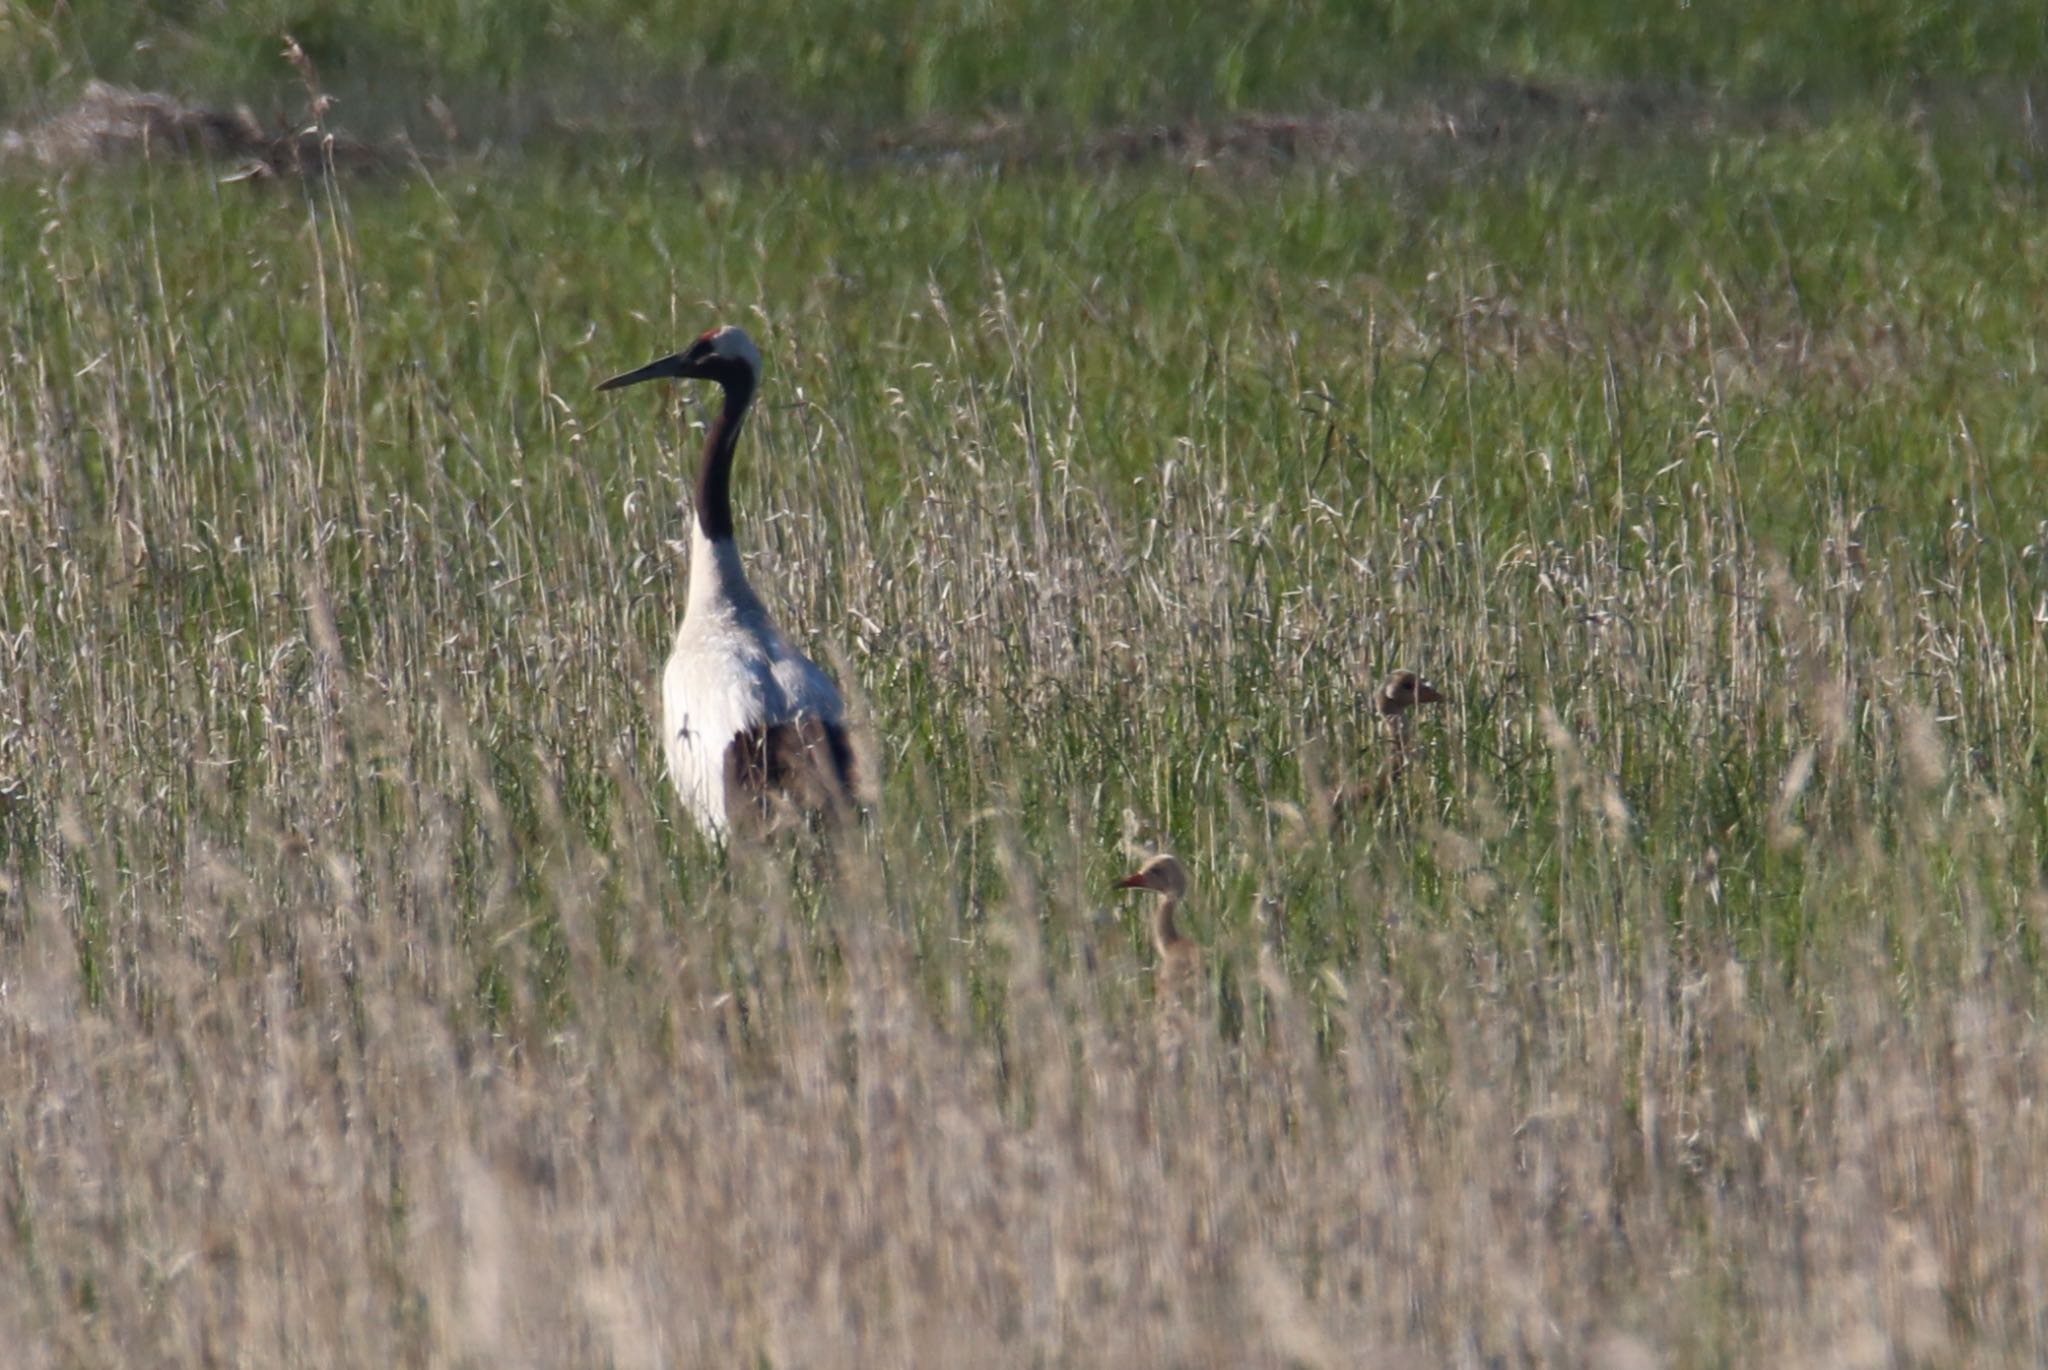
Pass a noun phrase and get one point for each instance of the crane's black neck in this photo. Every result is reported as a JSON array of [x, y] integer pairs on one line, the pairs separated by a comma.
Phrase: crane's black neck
[[714, 472]]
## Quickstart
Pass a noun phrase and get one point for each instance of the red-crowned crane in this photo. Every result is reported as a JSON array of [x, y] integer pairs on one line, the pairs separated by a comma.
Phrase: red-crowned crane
[[749, 723]]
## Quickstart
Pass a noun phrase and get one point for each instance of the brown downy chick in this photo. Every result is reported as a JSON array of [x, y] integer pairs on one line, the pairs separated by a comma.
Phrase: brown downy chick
[[1399, 693], [1178, 954], [1402, 691]]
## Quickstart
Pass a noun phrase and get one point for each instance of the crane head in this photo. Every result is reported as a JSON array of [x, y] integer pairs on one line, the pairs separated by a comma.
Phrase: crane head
[[1163, 873], [721, 354], [1402, 691]]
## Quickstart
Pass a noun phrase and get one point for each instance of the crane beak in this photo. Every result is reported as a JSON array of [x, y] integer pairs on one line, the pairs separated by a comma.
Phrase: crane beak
[[673, 367], [1130, 882], [1425, 693]]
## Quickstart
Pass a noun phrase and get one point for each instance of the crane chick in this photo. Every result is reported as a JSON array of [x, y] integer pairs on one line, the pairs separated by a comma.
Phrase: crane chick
[[1179, 957]]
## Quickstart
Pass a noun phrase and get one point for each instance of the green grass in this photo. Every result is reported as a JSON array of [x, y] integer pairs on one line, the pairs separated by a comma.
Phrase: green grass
[[881, 63], [370, 1000]]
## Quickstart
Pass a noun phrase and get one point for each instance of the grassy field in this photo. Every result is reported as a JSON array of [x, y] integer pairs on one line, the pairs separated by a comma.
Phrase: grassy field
[[366, 998], [883, 61]]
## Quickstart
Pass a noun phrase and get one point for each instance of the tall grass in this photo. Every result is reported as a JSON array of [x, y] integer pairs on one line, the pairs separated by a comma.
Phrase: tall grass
[[369, 1000]]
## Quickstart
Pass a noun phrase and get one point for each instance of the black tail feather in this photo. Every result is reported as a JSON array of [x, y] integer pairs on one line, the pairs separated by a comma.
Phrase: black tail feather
[[805, 766]]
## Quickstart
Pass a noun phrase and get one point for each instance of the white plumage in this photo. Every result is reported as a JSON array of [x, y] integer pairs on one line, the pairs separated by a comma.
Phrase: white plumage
[[730, 673], [748, 720]]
